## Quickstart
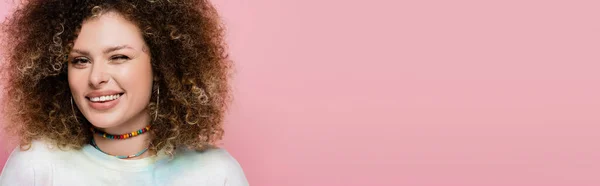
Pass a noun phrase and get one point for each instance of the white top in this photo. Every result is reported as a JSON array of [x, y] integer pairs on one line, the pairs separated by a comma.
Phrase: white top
[[44, 165]]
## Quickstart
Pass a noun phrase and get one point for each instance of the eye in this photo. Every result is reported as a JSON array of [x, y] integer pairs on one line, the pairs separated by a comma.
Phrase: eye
[[79, 61], [120, 58]]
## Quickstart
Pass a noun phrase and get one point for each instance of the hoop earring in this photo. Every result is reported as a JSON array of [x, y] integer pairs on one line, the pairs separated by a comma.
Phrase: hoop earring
[[73, 109], [157, 97]]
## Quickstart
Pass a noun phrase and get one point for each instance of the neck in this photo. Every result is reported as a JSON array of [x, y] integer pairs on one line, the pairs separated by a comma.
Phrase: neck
[[127, 146]]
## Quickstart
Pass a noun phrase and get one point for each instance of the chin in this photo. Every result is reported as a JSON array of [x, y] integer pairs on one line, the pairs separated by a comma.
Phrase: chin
[[103, 125], [104, 121]]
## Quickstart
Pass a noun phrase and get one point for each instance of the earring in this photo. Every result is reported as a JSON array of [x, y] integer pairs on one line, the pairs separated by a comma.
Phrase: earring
[[157, 97], [73, 109]]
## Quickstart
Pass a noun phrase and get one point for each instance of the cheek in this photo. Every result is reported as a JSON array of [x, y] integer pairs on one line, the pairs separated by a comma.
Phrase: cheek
[[77, 81], [137, 80]]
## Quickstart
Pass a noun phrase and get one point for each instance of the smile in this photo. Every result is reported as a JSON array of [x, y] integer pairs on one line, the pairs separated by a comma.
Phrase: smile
[[105, 98], [104, 102]]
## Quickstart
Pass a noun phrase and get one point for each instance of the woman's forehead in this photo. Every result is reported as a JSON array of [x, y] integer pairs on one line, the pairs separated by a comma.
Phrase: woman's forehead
[[108, 30]]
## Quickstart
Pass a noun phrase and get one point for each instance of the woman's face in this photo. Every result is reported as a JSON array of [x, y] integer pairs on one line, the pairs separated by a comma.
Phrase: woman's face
[[109, 72]]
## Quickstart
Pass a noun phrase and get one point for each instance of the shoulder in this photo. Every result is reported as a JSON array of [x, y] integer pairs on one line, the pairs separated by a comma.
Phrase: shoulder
[[22, 165], [38, 152], [216, 162], [218, 157]]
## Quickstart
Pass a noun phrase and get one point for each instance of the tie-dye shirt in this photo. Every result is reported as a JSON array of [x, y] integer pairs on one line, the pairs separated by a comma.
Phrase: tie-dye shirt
[[45, 165]]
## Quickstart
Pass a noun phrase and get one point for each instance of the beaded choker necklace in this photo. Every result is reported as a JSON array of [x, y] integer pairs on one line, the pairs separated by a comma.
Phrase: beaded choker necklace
[[120, 157], [120, 136]]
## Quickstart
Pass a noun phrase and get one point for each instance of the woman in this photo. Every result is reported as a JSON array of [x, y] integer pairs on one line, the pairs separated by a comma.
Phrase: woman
[[117, 93]]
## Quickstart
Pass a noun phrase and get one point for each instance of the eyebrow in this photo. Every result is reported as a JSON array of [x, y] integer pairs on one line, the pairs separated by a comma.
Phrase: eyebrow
[[106, 51]]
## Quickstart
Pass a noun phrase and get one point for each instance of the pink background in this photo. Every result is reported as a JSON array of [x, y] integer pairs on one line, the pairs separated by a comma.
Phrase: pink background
[[425, 92]]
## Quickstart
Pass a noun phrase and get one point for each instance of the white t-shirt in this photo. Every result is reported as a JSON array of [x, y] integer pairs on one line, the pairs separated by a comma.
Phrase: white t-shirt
[[45, 165]]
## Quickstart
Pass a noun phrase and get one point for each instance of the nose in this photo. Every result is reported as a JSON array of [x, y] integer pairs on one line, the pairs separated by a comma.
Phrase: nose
[[98, 76]]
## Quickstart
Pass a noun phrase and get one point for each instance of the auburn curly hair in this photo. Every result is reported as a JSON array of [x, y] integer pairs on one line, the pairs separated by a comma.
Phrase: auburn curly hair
[[188, 57]]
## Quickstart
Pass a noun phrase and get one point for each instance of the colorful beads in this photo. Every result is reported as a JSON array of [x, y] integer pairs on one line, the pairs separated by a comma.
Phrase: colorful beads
[[121, 136]]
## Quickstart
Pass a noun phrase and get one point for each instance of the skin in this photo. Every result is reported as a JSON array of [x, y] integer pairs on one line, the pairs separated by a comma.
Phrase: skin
[[110, 54]]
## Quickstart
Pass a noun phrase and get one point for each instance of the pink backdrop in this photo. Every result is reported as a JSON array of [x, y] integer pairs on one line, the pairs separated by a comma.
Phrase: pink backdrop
[[425, 93]]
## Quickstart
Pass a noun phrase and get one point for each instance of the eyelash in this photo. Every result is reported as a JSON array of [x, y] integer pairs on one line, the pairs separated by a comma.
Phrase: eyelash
[[78, 60], [119, 57], [83, 60]]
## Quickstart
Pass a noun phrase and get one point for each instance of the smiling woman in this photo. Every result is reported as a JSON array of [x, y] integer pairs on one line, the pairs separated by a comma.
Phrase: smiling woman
[[110, 74], [130, 92]]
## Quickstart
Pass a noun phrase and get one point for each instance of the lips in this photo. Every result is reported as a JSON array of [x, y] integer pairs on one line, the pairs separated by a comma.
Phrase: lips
[[104, 104], [104, 98], [102, 93]]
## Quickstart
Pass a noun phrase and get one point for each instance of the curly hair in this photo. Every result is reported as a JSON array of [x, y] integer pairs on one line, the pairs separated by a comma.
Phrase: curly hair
[[188, 57]]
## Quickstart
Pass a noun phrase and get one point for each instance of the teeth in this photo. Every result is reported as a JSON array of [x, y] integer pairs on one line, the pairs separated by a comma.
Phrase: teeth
[[105, 98]]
